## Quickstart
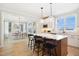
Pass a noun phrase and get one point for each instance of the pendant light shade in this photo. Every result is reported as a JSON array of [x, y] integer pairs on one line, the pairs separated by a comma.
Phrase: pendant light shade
[[42, 16], [50, 9], [45, 17], [41, 12]]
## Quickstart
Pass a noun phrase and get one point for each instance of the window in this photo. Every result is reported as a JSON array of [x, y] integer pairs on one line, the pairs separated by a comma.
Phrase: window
[[70, 23], [67, 24], [60, 23]]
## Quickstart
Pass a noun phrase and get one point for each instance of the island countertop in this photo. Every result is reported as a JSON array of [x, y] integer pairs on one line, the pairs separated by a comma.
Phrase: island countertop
[[52, 36]]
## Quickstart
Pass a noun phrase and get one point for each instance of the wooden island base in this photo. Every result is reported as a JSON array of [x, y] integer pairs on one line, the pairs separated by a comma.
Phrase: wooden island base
[[62, 47]]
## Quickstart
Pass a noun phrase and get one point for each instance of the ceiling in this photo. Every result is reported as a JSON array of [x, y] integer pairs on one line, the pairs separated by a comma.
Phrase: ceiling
[[33, 9]]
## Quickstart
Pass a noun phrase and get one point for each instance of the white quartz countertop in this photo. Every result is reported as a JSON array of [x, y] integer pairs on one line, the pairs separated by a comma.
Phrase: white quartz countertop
[[52, 36]]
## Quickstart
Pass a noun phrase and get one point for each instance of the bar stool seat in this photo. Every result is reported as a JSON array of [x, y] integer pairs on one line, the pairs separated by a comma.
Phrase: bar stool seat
[[31, 40], [38, 44], [49, 47]]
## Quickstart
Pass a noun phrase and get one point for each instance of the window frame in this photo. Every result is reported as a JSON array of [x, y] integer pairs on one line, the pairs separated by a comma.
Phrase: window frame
[[65, 22]]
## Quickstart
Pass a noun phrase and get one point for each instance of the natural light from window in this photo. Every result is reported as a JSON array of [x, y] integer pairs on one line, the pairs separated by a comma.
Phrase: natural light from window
[[67, 23]]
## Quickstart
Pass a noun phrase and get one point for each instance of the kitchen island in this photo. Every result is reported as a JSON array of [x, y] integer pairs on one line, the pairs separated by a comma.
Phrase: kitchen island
[[61, 41]]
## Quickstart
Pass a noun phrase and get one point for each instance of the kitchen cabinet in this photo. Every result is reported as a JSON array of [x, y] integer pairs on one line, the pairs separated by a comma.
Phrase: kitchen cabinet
[[73, 40]]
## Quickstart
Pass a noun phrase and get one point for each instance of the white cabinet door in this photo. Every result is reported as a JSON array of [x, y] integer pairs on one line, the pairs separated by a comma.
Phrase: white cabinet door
[[73, 41], [77, 41]]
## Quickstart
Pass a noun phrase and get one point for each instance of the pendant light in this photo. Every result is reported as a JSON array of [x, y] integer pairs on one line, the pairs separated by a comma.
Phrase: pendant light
[[50, 9], [52, 16], [42, 16], [45, 17], [41, 12]]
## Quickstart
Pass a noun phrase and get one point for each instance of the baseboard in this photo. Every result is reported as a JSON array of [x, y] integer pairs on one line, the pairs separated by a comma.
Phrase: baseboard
[[73, 46]]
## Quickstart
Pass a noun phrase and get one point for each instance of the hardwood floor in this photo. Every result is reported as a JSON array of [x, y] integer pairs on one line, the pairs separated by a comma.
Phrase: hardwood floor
[[21, 49], [16, 49], [73, 51]]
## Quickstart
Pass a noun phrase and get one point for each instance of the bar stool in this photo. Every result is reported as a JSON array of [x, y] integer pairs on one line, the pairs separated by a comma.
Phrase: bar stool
[[31, 40], [38, 44], [49, 46]]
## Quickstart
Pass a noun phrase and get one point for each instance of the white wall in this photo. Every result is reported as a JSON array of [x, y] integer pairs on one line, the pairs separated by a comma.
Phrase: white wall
[[0, 28], [78, 18], [2, 31]]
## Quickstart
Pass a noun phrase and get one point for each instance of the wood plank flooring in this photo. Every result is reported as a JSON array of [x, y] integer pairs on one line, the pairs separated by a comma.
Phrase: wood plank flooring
[[21, 49]]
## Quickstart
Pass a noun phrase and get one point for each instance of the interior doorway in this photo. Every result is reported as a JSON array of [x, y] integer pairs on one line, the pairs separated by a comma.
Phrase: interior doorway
[[14, 32]]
